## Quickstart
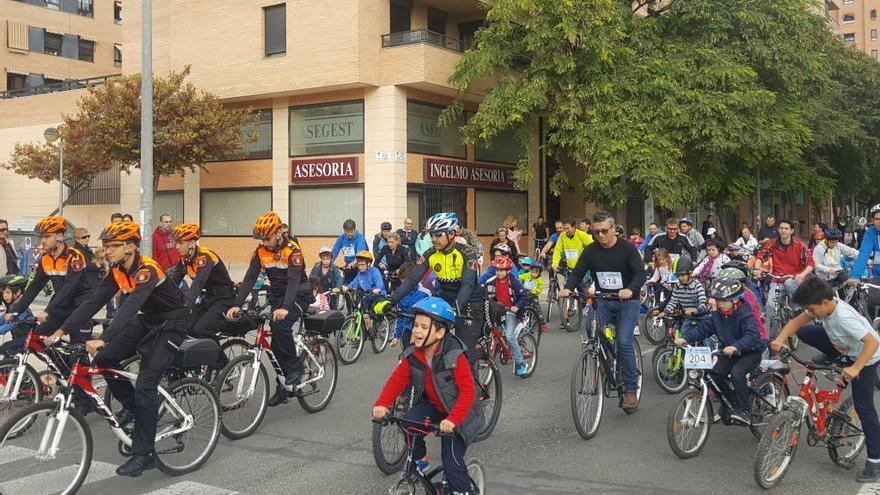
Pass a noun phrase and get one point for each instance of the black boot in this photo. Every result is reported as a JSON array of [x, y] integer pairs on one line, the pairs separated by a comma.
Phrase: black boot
[[137, 464], [279, 398]]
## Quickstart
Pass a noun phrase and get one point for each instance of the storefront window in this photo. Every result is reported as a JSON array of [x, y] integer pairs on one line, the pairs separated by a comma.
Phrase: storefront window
[[170, 202], [322, 210], [424, 135], [231, 212], [492, 207], [441, 199], [504, 148], [327, 129]]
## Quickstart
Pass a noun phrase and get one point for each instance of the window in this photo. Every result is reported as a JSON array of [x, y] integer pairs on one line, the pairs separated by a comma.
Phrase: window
[[104, 190], [437, 20], [874, 54], [53, 4], [504, 148], [468, 30], [401, 16], [275, 26], [117, 12], [231, 212], [85, 8], [874, 34], [117, 55], [86, 50], [424, 135], [19, 81], [327, 129], [437, 199], [262, 147], [492, 207], [849, 37], [48, 81], [321, 210], [873, 14], [52, 43], [170, 202], [849, 18]]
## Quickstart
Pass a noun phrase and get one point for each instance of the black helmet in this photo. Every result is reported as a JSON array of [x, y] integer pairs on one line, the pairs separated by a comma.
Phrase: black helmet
[[349, 225], [683, 265], [726, 289], [833, 235]]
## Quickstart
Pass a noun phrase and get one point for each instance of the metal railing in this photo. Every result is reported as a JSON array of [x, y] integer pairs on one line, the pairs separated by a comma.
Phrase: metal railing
[[68, 85], [424, 36]]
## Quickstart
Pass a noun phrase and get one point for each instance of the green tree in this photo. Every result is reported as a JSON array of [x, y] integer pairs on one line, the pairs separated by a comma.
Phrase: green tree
[[686, 99], [191, 128]]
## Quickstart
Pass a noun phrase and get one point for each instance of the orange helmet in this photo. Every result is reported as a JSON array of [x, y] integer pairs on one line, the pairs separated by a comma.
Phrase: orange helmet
[[267, 224], [122, 231], [186, 232], [51, 225]]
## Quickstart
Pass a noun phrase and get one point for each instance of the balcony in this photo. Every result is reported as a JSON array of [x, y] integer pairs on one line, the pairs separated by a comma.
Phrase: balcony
[[55, 87], [423, 36]]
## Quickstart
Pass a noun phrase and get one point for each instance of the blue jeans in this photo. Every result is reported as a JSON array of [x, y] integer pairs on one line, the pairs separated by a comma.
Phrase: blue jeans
[[623, 315], [862, 387], [510, 330]]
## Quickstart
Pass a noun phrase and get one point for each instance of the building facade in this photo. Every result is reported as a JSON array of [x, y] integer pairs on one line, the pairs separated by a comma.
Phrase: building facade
[[858, 24], [53, 44]]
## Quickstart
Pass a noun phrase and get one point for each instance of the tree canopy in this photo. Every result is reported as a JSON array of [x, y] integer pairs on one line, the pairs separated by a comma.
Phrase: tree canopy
[[687, 101], [190, 128]]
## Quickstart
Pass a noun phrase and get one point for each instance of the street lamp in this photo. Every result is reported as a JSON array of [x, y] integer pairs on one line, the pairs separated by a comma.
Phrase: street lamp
[[51, 134]]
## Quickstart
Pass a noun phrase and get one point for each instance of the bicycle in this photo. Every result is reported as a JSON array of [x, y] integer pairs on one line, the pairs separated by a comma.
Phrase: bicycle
[[570, 310], [552, 291], [783, 313], [531, 319], [486, 375], [243, 384], [668, 359], [350, 338], [597, 373], [653, 327], [495, 344], [189, 423], [413, 478], [689, 422], [830, 421], [857, 297]]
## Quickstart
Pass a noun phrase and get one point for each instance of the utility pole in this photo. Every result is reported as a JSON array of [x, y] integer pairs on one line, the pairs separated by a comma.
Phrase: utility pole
[[147, 126]]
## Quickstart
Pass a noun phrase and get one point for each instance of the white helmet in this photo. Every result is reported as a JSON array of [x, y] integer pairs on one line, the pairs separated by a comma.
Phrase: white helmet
[[325, 249], [442, 222]]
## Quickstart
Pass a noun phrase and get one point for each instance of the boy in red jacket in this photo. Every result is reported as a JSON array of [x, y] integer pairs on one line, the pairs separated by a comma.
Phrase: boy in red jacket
[[444, 391]]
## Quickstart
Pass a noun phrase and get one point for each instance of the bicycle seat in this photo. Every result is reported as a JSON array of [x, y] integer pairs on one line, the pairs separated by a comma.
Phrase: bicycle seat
[[194, 353]]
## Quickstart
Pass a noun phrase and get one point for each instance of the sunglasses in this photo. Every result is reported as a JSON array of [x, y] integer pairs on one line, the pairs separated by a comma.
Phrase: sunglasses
[[85, 237], [438, 234], [602, 231], [4, 230]]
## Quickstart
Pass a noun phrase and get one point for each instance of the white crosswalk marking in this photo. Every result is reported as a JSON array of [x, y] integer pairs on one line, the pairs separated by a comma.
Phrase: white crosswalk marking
[[11, 454], [55, 481], [192, 488]]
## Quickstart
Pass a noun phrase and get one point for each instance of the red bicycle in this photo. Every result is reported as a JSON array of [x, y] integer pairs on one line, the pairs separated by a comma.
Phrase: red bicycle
[[830, 420], [497, 347]]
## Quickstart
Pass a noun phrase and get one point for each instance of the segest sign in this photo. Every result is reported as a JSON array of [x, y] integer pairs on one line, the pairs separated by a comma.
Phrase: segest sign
[[467, 174], [319, 170]]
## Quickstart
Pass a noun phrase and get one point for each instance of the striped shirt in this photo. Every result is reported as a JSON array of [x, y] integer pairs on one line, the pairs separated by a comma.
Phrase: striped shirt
[[690, 296]]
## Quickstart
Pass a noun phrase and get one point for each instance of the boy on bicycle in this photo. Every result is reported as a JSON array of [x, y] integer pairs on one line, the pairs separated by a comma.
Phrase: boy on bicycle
[[842, 334], [688, 294], [437, 367], [735, 327], [403, 328], [531, 280], [509, 293], [368, 279], [12, 287]]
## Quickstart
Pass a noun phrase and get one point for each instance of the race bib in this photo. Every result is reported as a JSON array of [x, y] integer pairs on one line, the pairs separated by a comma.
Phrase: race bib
[[571, 254], [530, 285], [698, 358], [348, 251], [609, 280]]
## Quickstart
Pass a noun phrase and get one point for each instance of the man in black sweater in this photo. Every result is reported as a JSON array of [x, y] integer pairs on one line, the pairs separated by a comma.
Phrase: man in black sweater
[[617, 269]]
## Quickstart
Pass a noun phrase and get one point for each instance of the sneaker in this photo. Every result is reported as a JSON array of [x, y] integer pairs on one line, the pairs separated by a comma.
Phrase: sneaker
[[870, 474], [741, 417], [636, 331], [544, 328], [630, 401], [521, 370], [423, 464]]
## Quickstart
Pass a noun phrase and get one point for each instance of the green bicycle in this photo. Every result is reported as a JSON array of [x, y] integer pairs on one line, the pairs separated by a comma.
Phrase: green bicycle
[[351, 337], [668, 360]]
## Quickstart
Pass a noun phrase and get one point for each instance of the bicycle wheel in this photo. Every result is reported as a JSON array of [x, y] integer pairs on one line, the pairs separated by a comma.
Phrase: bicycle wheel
[[489, 388], [654, 329], [587, 394], [382, 330], [669, 372], [315, 396], [551, 297], [186, 451], [846, 438], [26, 467], [776, 449], [234, 348], [389, 441], [687, 429], [571, 313], [768, 395], [477, 474], [30, 390], [131, 365], [350, 340], [529, 346], [243, 409]]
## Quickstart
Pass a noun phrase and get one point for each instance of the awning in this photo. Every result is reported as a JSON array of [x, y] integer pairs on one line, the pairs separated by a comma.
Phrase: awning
[[20, 72]]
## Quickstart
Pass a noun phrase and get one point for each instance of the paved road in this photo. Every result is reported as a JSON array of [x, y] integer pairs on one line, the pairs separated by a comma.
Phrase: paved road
[[534, 450]]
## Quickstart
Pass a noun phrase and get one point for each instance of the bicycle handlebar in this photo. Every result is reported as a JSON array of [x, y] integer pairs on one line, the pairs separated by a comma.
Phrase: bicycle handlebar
[[786, 352], [424, 426]]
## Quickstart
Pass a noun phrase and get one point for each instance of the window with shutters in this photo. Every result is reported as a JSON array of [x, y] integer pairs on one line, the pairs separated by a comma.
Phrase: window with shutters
[[437, 20], [52, 43], [117, 12], [275, 27], [86, 50], [85, 8], [117, 55], [16, 35], [18, 81]]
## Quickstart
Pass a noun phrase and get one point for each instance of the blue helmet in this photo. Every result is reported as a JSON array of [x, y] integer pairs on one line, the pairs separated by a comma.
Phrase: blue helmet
[[527, 262], [436, 308], [538, 265], [442, 222]]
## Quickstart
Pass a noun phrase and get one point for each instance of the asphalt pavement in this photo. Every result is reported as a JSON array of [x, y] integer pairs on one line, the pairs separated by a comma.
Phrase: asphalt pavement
[[534, 449]]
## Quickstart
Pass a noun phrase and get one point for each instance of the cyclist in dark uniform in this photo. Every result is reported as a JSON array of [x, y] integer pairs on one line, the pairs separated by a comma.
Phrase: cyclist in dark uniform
[[455, 265], [207, 272], [290, 294]]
